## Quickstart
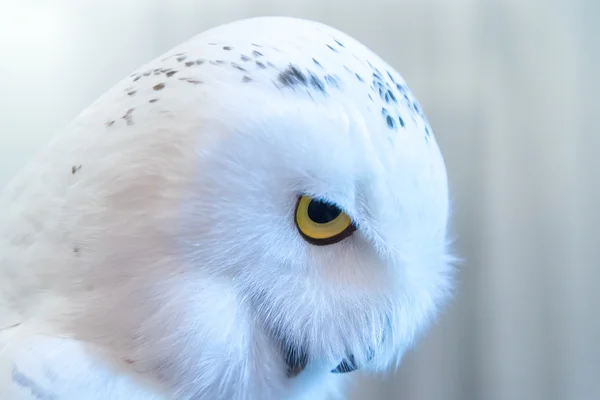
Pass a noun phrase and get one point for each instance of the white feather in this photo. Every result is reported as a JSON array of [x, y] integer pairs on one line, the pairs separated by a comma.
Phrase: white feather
[[151, 251]]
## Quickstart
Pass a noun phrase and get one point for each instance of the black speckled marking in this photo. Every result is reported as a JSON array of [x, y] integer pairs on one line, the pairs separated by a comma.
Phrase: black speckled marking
[[256, 45], [391, 96], [292, 76], [110, 123], [339, 43], [246, 79], [170, 73], [317, 63], [389, 120], [158, 86], [260, 65], [75, 168], [217, 62], [200, 62], [238, 67], [190, 80], [245, 58], [128, 116], [360, 78], [137, 78], [227, 48], [257, 53], [391, 77], [333, 48], [181, 58], [189, 63], [152, 100], [401, 121], [334, 81], [132, 93], [316, 83]]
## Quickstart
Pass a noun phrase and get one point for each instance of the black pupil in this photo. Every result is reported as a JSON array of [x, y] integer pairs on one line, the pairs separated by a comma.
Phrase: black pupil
[[321, 212]]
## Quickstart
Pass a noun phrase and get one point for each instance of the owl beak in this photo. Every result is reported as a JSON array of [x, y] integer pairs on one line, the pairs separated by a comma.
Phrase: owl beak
[[297, 359], [348, 365]]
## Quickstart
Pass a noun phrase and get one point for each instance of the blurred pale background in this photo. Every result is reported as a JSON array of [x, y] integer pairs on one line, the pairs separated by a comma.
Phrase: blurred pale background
[[511, 88]]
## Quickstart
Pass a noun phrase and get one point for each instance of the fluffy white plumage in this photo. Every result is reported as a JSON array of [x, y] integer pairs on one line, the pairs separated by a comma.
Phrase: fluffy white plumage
[[151, 251]]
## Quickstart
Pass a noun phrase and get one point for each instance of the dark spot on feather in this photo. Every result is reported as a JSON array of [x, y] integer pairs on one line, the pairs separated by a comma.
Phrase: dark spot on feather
[[147, 73], [132, 93], [159, 86], [332, 48], [152, 100], [391, 77], [128, 116], [270, 64], [189, 63], [256, 53], [260, 65], [217, 62], [390, 122], [181, 58], [227, 48], [256, 45], [333, 80], [137, 78], [246, 79], [238, 67], [316, 83], [194, 81], [339, 43], [110, 123], [245, 58], [359, 77], [401, 121], [292, 76], [199, 62], [75, 168], [317, 63], [392, 96], [170, 73]]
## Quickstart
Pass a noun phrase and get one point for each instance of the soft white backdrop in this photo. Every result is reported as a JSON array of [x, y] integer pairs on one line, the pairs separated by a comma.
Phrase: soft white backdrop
[[511, 88]]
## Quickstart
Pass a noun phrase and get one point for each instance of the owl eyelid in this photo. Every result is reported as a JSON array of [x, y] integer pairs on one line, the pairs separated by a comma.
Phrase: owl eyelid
[[327, 200]]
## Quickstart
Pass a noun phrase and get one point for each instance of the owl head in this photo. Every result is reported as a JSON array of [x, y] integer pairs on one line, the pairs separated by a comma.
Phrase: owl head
[[268, 196]]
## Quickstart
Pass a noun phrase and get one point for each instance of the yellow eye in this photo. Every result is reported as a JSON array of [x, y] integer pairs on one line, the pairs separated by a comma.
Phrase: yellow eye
[[322, 223]]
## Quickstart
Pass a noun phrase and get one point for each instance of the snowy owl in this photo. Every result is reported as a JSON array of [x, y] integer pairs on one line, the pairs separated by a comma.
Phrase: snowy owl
[[253, 215]]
